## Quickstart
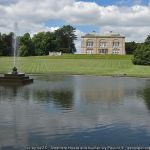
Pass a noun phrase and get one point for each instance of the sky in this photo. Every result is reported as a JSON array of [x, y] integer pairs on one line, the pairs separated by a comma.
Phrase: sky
[[128, 17]]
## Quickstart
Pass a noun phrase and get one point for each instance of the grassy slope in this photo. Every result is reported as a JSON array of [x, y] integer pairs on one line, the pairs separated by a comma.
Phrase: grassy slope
[[77, 64]]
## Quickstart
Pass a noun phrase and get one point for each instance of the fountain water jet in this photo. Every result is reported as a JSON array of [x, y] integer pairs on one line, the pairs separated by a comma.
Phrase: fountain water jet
[[14, 77], [14, 42]]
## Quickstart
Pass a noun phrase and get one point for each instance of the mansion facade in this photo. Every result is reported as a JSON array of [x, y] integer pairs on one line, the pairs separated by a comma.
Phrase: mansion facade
[[103, 44]]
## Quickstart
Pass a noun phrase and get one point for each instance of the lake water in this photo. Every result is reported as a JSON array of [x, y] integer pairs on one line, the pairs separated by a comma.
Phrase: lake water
[[76, 111]]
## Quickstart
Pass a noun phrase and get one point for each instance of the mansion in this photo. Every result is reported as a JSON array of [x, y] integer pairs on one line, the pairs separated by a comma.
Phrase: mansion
[[109, 43]]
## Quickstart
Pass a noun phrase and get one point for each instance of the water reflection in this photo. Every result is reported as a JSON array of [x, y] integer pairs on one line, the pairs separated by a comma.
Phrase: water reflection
[[145, 94], [13, 92], [75, 110], [61, 97], [8, 90]]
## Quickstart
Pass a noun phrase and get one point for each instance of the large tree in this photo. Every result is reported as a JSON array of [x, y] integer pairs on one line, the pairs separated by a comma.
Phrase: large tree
[[44, 42], [142, 55], [65, 37], [130, 47], [1, 45], [6, 44], [39, 43], [147, 40], [26, 45], [50, 42]]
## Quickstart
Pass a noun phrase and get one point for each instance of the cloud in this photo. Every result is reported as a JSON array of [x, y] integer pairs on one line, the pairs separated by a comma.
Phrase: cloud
[[133, 21], [137, 34], [81, 13], [7, 2], [31, 14], [91, 13]]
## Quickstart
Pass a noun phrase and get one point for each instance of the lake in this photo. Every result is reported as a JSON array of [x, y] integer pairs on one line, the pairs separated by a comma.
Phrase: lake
[[79, 112]]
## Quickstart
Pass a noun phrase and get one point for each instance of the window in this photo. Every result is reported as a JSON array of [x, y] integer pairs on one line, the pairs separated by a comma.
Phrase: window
[[103, 51], [90, 51], [116, 44], [102, 44], [89, 43], [115, 51]]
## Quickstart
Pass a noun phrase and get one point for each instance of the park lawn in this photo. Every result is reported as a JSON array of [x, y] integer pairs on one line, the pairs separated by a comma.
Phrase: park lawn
[[76, 64]]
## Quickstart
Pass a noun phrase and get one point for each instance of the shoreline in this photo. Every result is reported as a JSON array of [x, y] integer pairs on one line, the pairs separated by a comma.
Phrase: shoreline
[[88, 75]]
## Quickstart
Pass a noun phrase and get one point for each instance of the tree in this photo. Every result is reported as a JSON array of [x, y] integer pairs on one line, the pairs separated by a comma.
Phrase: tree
[[142, 55], [39, 43], [65, 37], [50, 42], [23, 50], [6, 44], [26, 45], [147, 40], [130, 47], [1, 45]]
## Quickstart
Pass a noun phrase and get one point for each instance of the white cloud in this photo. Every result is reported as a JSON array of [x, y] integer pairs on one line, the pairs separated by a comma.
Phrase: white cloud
[[133, 21], [30, 14], [91, 13], [43, 29], [81, 13], [137, 34]]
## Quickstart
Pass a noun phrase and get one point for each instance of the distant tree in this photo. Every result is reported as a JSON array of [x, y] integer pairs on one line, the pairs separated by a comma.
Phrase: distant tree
[[147, 40], [1, 45], [26, 46], [50, 42], [39, 43], [65, 37], [6, 44], [23, 50], [9, 44], [130, 47], [142, 55]]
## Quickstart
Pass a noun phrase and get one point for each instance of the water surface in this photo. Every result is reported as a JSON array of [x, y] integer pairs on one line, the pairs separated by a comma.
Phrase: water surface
[[75, 111]]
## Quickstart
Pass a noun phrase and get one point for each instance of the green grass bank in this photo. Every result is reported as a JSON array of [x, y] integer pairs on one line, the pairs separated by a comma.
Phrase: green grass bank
[[76, 64]]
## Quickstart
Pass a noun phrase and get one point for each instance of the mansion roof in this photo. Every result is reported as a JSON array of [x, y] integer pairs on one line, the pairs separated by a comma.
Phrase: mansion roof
[[106, 35]]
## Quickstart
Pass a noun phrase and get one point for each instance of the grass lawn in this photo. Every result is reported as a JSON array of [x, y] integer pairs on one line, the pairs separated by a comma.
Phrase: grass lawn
[[76, 64]]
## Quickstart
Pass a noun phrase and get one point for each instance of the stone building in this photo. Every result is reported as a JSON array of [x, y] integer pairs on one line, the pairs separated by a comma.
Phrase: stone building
[[109, 43]]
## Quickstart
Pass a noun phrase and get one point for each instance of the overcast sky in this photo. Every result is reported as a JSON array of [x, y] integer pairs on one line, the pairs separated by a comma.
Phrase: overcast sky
[[128, 17]]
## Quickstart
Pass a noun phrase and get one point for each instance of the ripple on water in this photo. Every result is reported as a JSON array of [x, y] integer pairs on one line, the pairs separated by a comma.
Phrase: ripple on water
[[76, 110]]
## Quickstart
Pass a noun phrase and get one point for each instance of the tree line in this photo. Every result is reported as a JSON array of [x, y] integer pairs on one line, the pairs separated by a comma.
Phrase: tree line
[[61, 40]]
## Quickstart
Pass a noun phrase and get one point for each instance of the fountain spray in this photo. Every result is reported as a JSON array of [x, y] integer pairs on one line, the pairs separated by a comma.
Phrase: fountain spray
[[14, 77], [14, 43]]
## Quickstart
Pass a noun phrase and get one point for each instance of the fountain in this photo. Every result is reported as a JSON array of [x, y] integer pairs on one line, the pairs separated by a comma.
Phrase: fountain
[[15, 77]]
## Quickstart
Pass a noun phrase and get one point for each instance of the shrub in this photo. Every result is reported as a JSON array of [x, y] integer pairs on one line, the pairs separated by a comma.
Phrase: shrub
[[142, 55]]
